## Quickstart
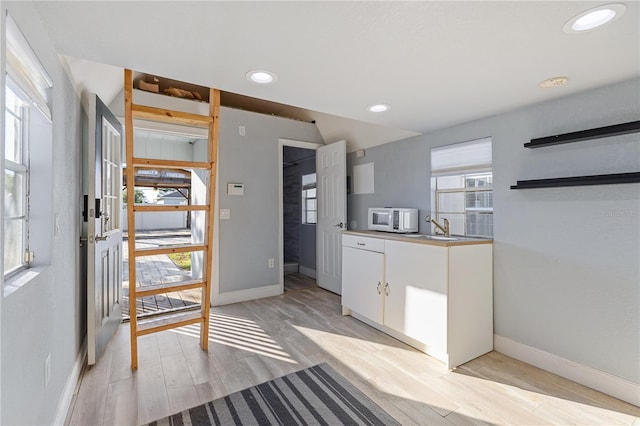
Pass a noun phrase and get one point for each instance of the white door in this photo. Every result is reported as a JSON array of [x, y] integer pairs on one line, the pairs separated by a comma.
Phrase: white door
[[416, 292], [331, 171], [104, 237], [363, 276]]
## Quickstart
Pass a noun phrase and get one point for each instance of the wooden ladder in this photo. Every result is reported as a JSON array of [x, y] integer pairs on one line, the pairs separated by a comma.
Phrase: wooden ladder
[[172, 320]]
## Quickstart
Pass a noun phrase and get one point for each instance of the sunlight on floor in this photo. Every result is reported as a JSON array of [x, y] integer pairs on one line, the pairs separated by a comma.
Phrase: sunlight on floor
[[540, 401], [480, 392], [239, 333]]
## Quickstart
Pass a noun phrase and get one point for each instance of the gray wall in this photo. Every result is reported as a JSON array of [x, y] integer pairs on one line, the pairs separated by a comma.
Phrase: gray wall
[[401, 179], [299, 238], [566, 260], [45, 316], [250, 237], [291, 212], [307, 231]]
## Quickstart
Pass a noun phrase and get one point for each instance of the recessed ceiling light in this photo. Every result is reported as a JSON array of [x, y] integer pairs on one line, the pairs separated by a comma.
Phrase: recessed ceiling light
[[261, 77], [379, 108], [594, 18], [554, 82]]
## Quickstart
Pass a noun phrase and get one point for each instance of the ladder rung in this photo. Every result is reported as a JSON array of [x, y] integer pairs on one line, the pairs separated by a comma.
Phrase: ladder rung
[[169, 208], [168, 287], [179, 248], [170, 116], [166, 322], [170, 164]]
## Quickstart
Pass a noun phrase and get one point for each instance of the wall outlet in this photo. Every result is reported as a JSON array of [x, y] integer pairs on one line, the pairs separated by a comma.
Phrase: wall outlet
[[272, 262], [225, 214], [47, 370], [241, 130]]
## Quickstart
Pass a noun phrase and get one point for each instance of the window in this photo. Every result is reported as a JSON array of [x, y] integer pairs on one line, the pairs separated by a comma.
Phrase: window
[[15, 183], [27, 155], [309, 199], [462, 187]]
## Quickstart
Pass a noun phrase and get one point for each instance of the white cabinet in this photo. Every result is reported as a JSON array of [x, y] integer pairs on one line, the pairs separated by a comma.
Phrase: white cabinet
[[416, 304], [435, 297], [365, 275]]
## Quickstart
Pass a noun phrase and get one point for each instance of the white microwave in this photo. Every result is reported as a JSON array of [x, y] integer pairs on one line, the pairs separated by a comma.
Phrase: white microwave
[[393, 219]]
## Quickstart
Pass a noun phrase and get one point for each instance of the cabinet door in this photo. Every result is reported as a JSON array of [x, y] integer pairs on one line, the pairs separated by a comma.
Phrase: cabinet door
[[362, 272], [416, 304]]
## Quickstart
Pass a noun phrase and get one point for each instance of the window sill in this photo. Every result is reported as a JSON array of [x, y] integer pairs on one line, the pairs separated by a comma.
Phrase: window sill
[[21, 279]]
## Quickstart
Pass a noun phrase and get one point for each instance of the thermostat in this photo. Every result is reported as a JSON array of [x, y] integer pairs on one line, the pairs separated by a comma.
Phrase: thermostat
[[235, 188]]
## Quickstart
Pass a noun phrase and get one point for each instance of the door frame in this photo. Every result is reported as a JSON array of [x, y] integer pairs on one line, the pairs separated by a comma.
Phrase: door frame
[[281, 144]]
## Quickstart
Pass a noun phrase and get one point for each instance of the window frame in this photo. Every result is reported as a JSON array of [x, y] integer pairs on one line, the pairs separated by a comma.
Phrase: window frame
[[464, 174], [305, 197], [22, 168]]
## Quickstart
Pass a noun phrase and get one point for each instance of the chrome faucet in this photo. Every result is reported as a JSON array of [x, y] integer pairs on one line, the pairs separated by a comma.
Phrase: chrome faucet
[[444, 228]]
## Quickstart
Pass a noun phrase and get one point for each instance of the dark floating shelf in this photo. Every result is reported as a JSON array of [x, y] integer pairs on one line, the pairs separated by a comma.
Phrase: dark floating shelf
[[609, 179], [582, 135]]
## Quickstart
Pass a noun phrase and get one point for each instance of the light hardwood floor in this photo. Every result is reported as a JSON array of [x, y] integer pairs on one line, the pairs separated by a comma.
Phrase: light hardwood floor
[[256, 341], [296, 281]]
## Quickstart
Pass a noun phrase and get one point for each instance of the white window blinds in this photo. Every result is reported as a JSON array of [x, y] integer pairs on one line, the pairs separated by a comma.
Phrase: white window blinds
[[26, 70], [466, 156]]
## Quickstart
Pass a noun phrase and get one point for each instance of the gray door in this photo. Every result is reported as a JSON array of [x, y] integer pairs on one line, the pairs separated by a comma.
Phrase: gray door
[[104, 236]]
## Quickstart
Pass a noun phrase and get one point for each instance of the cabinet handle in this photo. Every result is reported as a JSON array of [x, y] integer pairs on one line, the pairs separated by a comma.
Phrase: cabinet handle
[[386, 289], [378, 287], [361, 244]]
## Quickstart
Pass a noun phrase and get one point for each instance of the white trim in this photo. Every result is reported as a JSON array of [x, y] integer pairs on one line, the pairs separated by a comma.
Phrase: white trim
[[64, 404], [248, 294], [596, 379], [307, 271], [281, 144]]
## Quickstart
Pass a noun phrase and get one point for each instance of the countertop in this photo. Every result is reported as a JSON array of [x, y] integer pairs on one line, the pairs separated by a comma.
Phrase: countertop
[[421, 238]]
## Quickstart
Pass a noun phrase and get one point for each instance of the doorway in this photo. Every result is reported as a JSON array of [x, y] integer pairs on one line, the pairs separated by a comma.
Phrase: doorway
[[162, 197], [298, 206]]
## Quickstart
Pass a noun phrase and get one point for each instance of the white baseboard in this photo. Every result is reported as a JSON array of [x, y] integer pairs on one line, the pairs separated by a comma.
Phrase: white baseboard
[[67, 393], [249, 294], [596, 379], [308, 271]]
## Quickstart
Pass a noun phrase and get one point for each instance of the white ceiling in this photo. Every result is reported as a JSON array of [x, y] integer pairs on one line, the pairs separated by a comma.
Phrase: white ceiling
[[436, 63]]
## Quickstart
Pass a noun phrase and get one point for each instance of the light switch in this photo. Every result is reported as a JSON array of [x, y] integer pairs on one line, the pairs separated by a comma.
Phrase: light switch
[[225, 214], [241, 130]]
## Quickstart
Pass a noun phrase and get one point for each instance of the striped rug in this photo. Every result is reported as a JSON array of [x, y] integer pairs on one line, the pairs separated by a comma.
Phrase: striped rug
[[314, 396]]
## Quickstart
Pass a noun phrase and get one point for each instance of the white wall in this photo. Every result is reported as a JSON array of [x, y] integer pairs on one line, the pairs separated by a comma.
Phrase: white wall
[[566, 260], [46, 315], [155, 220]]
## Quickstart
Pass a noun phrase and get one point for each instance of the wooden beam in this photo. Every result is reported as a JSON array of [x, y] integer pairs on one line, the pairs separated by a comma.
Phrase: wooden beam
[[169, 116], [168, 164], [169, 287], [168, 322], [182, 248], [169, 208], [214, 128], [131, 217]]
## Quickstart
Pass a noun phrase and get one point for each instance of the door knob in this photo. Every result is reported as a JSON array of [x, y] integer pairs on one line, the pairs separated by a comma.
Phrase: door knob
[[101, 238], [339, 225]]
